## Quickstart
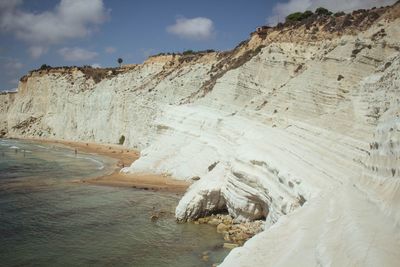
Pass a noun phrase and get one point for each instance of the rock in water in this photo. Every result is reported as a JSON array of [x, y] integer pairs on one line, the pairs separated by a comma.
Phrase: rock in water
[[222, 228], [230, 245], [302, 120]]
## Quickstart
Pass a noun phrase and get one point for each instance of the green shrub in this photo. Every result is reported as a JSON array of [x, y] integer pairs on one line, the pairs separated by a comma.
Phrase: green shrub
[[339, 14], [45, 67], [188, 52], [323, 11], [307, 14], [298, 16], [122, 140]]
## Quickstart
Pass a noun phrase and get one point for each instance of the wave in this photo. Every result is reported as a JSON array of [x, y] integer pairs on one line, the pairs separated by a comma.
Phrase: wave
[[44, 147], [97, 162]]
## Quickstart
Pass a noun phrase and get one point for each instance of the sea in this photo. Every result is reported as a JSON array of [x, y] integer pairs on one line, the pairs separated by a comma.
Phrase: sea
[[47, 218]]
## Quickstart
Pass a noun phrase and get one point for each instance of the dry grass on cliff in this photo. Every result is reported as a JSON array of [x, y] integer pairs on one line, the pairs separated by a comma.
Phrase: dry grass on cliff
[[96, 74]]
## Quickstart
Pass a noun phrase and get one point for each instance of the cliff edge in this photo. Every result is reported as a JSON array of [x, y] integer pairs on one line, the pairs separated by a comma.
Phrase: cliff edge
[[298, 126]]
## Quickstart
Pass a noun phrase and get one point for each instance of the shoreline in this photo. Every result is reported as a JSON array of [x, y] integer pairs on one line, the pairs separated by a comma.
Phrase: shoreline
[[124, 157]]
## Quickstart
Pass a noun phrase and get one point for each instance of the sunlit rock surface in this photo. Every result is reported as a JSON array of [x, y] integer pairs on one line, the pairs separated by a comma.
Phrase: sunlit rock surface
[[300, 131]]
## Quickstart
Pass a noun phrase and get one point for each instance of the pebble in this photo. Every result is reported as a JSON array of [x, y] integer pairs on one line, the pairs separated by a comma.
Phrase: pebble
[[214, 221], [222, 228], [230, 245], [234, 232]]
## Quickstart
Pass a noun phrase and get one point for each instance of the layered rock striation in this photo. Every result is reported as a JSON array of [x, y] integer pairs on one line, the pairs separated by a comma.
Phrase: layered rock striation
[[298, 126]]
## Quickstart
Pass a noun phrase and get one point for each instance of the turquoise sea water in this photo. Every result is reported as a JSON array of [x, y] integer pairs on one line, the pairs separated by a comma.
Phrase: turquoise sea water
[[48, 220]]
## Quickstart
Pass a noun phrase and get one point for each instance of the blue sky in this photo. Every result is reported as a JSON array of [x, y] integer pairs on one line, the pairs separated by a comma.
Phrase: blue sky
[[97, 32]]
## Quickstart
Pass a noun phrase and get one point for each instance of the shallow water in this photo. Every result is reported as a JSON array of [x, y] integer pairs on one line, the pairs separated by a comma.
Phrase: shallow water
[[48, 220]]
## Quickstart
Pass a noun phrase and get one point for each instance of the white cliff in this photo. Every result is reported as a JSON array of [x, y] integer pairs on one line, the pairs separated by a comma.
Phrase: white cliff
[[299, 128]]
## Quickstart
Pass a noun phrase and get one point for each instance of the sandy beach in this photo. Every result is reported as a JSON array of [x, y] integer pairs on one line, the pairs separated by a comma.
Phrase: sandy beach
[[141, 181], [124, 157]]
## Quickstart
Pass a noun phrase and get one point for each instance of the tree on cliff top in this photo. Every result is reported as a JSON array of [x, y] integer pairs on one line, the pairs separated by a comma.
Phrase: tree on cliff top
[[323, 11], [298, 16], [45, 67], [120, 61]]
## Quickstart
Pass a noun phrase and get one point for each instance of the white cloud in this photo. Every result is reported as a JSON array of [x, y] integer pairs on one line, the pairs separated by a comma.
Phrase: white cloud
[[110, 50], [195, 29], [11, 66], [96, 65], [6, 5], [281, 10], [76, 54], [14, 65], [37, 51], [70, 19]]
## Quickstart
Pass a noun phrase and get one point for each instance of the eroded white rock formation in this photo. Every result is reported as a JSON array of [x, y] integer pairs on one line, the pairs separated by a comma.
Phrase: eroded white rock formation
[[353, 221], [299, 128]]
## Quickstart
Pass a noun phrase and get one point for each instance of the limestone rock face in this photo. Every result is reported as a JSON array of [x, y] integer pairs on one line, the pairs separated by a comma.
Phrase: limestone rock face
[[302, 132], [67, 105], [362, 208]]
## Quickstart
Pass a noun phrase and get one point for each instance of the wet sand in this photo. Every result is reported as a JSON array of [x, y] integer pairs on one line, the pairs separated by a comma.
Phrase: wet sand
[[141, 181], [124, 157]]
